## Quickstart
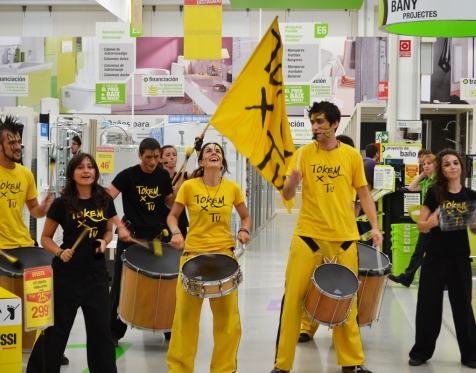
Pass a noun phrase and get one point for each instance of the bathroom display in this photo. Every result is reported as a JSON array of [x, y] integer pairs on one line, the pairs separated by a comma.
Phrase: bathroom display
[[62, 133]]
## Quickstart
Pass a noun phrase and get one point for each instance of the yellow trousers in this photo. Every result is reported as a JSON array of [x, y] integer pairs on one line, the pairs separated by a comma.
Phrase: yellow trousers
[[302, 262], [307, 326], [185, 329]]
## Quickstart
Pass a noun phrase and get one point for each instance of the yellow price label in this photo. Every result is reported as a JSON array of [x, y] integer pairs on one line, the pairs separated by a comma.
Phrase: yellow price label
[[38, 285], [105, 159]]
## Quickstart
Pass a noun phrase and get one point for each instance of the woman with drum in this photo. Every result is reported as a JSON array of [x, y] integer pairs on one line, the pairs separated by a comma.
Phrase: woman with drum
[[420, 183], [84, 211], [446, 262], [209, 199]]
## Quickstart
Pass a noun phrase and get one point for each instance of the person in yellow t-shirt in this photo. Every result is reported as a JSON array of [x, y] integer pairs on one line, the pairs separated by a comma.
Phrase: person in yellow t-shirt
[[331, 173], [209, 199], [17, 188]]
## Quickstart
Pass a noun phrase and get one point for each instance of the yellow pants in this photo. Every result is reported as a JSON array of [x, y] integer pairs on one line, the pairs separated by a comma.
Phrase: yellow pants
[[301, 265], [308, 327], [185, 329]]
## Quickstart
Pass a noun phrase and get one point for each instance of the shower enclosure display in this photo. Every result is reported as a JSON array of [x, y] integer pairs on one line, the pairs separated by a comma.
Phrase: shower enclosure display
[[61, 137]]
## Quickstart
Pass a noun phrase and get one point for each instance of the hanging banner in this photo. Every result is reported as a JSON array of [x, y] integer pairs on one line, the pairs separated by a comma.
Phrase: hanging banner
[[105, 159], [436, 18], [202, 26]]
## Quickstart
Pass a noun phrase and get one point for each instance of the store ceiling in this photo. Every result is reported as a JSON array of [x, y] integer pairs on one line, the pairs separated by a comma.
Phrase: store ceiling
[[293, 4], [376, 113], [88, 2]]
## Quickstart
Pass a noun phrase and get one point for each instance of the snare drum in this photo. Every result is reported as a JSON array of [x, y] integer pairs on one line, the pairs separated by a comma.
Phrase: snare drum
[[12, 279], [330, 294], [148, 286], [211, 275], [373, 268]]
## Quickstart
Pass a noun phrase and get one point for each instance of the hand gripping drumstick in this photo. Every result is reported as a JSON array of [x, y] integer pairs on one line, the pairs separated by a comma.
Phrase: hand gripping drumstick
[[15, 261]]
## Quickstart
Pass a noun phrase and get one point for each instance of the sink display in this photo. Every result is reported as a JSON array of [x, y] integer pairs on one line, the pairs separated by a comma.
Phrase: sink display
[[23, 67], [206, 84]]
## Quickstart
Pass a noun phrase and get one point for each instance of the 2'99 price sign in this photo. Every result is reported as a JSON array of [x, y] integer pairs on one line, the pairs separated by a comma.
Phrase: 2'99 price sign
[[38, 285]]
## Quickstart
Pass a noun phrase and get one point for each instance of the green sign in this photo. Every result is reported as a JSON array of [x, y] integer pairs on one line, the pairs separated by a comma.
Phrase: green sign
[[135, 33], [321, 30], [297, 95], [381, 137], [111, 93], [293, 4]]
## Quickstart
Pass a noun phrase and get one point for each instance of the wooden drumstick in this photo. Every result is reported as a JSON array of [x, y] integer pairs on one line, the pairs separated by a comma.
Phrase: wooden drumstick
[[205, 130], [52, 168], [143, 244], [80, 238], [188, 153]]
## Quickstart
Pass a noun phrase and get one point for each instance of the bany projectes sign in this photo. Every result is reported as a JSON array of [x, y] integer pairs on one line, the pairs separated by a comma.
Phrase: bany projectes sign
[[437, 18]]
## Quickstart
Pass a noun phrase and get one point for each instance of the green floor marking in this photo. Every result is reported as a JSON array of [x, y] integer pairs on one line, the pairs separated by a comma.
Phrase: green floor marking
[[124, 346]]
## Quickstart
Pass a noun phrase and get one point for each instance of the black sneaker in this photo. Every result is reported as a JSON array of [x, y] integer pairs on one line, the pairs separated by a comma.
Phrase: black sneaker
[[416, 362], [398, 280], [167, 335], [304, 337], [277, 370], [471, 364], [356, 369], [64, 360]]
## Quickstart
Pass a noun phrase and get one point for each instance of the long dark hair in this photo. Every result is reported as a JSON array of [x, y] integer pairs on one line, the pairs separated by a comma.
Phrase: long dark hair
[[200, 171], [99, 195], [440, 182]]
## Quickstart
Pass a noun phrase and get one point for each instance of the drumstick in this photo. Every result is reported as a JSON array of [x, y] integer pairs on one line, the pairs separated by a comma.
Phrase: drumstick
[[15, 261], [178, 173], [135, 240], [205, 130], [80, 238]]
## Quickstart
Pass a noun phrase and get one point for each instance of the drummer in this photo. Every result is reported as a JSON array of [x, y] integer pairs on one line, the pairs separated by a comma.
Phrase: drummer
[[17, 189], [146, 190], [80, 274], [209, 199], [331, 172]]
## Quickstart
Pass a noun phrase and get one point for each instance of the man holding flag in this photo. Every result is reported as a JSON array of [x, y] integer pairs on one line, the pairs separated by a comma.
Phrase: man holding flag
[[326, 228]]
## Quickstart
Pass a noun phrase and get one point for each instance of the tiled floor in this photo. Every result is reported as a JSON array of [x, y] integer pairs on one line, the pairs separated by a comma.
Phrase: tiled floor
[[386, 343]]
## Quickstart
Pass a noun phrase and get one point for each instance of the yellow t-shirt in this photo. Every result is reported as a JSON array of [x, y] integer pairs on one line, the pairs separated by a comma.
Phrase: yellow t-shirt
[[16, 187], [328, 191], [210, 213]]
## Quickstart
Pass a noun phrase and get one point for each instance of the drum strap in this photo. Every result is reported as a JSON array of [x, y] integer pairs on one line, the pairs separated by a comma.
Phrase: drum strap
[[345, 245], [311, 243]]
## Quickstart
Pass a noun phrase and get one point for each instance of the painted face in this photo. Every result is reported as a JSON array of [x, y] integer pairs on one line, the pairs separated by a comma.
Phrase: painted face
[[12, 147], [212, 156], [321, 127], [84, 173], [149, 160], [451, 167], [169, 157]]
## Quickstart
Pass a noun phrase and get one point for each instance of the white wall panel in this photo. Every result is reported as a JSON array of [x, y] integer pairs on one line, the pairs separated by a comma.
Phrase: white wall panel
[[38, 24], [236, 23], [11, 23], [167, 23]]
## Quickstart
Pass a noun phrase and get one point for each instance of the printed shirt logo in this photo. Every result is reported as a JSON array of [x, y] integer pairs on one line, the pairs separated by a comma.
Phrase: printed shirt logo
[[9, 191], [206, 202], [455, 212], [324, 174], [93, 215], [146, 192]]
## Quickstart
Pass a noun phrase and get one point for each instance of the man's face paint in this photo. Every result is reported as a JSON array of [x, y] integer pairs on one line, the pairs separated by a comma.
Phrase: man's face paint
[[11, 141], [319, 122]]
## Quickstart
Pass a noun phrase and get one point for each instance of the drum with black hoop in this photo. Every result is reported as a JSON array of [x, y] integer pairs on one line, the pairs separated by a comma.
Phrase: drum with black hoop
[[211, 275], [11, 279], [330, 294], [148, 285], [373, 268]]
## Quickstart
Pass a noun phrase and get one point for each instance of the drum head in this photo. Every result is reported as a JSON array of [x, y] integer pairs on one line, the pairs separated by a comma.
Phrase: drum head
[[372, 261], [336, 279], [138, 258], [210, 267], [29, 257]]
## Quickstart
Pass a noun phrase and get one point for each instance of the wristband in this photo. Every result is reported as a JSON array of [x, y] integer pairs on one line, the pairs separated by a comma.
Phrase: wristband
[[58, 254], [104, 241], [244, 230], [176, 231]]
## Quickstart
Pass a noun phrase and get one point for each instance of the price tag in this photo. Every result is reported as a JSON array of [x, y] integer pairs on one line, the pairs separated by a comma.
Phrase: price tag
[[38, 285], [105, 159]]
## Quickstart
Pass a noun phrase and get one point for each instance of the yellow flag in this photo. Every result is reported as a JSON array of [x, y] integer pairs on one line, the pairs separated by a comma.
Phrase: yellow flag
[[253, 113]]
